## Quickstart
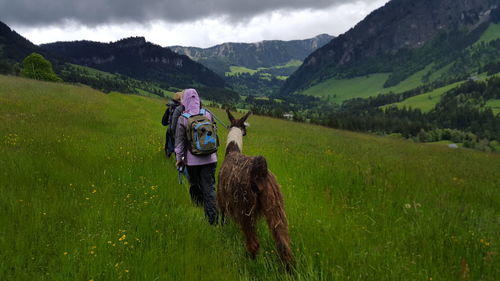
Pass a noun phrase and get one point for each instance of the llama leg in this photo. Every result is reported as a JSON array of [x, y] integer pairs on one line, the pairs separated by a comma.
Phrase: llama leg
[[273, 209], [252, 242], [222, 215]]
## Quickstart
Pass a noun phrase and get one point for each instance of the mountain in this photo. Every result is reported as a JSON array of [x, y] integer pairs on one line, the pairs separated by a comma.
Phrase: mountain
[[401, 38], [253, 55], [13, 49], [136, 58], [13, 46]]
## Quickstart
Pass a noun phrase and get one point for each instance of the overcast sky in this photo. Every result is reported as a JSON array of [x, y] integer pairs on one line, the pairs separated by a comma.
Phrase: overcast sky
[[200, 23]]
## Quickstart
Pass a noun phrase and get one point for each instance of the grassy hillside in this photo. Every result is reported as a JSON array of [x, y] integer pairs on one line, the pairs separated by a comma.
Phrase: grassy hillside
[[495, 105], [425, 102], [292, 64], [88, 195], [105, 81], [339, 90], [240, 69], [492, 33]]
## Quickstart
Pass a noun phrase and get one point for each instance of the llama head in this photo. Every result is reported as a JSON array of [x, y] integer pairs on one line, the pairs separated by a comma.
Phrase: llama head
[[239, 123]]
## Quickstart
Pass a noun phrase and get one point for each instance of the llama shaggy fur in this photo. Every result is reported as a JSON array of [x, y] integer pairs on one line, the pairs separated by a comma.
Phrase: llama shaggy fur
[[247, 190]]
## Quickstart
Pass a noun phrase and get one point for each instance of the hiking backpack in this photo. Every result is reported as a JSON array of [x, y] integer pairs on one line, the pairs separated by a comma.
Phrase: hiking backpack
[[171, 107], [201, 133]]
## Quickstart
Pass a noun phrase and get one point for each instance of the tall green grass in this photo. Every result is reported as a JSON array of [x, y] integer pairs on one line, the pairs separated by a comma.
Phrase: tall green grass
[[87, 194]]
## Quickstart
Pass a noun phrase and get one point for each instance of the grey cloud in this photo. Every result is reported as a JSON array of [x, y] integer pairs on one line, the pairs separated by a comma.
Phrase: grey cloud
[[94, 12]]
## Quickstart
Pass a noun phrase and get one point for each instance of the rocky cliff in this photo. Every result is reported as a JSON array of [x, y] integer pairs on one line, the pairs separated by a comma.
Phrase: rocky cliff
[[254, 55], [399, 25]]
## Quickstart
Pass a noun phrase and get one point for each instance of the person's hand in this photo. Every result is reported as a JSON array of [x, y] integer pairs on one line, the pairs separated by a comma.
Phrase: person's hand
[[179, 163]]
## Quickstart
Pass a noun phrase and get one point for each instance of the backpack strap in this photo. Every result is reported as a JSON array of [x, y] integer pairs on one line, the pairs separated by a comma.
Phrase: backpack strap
[[187, 115]]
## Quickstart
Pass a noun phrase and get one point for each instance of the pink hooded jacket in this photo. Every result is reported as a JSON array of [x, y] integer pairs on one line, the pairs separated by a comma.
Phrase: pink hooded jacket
[[191, 102]]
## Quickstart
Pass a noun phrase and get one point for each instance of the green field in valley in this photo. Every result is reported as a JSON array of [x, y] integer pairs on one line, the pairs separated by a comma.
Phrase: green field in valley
[[339, 90], [495, 105], [425, 102], [492, 33], [241, 69], [87, 194]]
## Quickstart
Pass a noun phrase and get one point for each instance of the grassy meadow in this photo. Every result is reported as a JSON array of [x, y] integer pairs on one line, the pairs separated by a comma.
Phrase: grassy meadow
[[87, 194], [492, 33], [339, 90], [427, 101], [495, 105], [235, 70]]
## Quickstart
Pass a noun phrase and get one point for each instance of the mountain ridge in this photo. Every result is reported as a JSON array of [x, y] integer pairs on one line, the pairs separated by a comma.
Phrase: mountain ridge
[[137, 58], [267, 53], [398, 26], [14, 46]]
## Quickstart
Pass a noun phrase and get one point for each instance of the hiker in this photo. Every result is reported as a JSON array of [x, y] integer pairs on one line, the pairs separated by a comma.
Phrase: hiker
[[200, 166], [168, 120], [175, 117]]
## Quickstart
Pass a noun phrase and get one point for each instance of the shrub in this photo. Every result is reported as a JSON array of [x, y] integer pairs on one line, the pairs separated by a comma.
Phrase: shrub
[[35, 66]]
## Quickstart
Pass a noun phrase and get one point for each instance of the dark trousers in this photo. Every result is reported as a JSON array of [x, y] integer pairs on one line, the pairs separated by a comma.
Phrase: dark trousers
[[202, 190], [169, 143]]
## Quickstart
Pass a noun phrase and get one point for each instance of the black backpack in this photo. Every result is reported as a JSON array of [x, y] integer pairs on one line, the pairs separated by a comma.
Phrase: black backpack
[[171, 108]]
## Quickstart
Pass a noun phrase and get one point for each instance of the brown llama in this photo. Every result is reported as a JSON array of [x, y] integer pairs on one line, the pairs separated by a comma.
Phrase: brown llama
[[247, 189]]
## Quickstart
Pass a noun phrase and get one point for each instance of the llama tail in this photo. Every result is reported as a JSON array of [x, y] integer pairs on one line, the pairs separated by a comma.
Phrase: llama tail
[[271, 201], [259, 169]]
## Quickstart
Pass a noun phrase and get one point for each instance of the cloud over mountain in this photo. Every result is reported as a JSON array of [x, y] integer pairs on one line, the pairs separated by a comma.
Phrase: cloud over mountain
[[97, 12]]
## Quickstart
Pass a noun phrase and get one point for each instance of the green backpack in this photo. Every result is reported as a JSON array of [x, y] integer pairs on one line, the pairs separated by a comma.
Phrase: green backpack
[[201, 134]]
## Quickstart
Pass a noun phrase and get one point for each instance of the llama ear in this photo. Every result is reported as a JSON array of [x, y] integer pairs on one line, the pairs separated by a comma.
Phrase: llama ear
[[230, 116], [246, 116]]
